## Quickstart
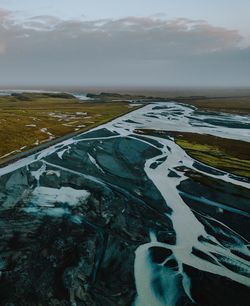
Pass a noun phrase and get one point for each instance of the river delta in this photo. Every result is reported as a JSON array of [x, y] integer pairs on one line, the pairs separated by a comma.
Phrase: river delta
[[122, 215]]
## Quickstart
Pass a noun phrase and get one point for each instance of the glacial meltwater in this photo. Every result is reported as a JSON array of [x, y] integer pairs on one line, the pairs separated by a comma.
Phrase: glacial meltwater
[[121, 215]]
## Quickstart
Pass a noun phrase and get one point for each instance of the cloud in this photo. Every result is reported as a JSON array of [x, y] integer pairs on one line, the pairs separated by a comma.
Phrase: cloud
[[2, 48], [41, 23], [127, 51], [4, 14]]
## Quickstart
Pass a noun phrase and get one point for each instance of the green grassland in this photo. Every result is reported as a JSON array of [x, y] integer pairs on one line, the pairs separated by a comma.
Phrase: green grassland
[[225, 154], [29, 120]]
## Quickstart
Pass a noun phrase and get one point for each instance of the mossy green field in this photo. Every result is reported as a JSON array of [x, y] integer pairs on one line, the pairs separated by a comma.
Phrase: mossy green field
[[29, 120], [229, 155]]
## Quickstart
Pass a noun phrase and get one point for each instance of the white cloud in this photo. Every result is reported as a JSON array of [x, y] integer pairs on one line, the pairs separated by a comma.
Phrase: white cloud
[[128, 50]]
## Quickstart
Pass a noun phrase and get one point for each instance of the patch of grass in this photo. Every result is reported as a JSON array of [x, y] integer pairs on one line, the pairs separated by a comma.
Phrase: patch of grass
[[225, 154], [31, 119]]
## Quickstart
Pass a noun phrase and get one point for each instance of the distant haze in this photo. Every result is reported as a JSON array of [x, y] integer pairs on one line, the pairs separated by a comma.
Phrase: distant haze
[[133, 44]]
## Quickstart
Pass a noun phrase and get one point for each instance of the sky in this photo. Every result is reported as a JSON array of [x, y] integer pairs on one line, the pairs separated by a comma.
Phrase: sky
[[132, 43]]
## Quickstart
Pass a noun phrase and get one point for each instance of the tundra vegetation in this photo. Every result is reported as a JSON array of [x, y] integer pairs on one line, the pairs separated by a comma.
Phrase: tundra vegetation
[[28, 120], [225, 154]]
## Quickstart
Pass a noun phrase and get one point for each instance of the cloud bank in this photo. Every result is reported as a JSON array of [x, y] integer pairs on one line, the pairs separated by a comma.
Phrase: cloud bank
[[47, 51]]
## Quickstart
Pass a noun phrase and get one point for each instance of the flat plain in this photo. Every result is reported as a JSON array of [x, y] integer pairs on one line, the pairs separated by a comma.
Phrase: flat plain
[[28, 120]]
